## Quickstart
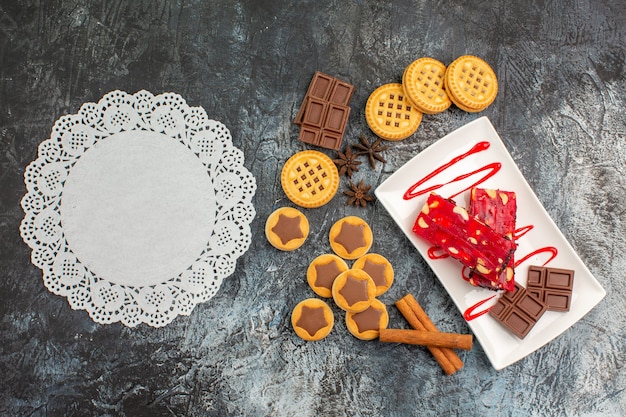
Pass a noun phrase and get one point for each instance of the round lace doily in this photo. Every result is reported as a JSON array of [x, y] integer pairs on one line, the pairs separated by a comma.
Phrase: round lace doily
[[137, 208]]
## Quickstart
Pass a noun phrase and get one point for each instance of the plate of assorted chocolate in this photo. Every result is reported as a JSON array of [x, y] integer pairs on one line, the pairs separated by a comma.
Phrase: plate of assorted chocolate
[[466, 207]]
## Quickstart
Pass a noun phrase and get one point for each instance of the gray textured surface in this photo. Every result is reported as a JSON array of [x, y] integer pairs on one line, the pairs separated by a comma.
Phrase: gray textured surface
[[560, 110]]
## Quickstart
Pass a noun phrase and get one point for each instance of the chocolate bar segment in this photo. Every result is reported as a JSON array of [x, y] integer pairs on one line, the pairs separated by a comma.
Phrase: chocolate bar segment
[[341, 93], [518, 311], [315, 112], [553, 286], [324, 112], [337, 118], [321, 86]]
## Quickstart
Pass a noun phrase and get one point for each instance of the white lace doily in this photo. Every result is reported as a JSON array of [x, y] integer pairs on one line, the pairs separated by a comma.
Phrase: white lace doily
[[137, 208]]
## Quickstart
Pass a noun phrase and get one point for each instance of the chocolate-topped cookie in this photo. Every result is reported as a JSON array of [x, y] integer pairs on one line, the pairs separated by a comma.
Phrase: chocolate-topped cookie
[[378, 268], [322, 273], [312, 319], [353, 290], [366, 325], [351, 237], [286, 228]]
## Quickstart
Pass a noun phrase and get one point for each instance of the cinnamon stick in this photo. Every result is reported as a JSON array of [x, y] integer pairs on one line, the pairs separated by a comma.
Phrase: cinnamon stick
[[449, 366], [422, 317], [427, 338]]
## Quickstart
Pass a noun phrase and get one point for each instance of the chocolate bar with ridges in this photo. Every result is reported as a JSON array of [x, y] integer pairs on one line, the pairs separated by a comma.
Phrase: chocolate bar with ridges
[[553, 286], [324, 112], [518, 311]]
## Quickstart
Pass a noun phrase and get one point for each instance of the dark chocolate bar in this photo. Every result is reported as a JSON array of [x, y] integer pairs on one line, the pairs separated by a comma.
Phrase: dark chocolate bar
[[518, 311], [324, 112], [553, 286]]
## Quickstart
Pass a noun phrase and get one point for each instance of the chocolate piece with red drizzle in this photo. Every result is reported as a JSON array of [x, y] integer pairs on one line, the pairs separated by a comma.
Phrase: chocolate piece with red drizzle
[[498, 210], [477, 246]]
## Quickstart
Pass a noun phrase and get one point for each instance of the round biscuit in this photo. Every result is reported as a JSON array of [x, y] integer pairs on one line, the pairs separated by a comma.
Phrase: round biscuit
[[423, 84], [390, 114], [344, 241], [321, 322], [471, 83], [286, 228], [349, 281], [329, 265], [310, 179], [353, 321], [379, 269]]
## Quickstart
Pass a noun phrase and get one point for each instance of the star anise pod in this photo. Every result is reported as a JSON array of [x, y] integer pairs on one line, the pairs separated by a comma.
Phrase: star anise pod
[[347, 162], [358, 194], [372, 150]]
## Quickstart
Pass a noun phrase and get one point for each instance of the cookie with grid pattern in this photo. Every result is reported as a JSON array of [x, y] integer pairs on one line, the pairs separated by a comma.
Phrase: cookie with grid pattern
[[471, 83], [390, 114], [423, 84], [310, 179]]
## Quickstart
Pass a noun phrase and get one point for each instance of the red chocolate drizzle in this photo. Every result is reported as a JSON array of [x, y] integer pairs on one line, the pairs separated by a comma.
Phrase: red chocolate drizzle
[[312, 319], [326, 274], [493, 168], [547, 249], [351, 237], [469, 313], [354, 290], [368, 319], [287, 228]]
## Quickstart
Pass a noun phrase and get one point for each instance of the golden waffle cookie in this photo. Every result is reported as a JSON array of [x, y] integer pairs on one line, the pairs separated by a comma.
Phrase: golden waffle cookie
[[422, 82], [286, 228], [390, 114], [312, 319], [310, 179], [366, 325], [378, 268], [470, 83]]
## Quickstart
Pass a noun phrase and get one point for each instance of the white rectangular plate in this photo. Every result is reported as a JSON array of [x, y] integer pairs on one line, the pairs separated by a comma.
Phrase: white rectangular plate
[[456, 169]]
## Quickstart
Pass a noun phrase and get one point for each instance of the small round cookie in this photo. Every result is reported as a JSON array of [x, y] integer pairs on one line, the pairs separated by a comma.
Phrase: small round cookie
[[310, 179], [390, 114], [378, 268], [423, 84], [471, 83], [322, 273], [286, 228], [354, 290], [312, 319], [351, 237], [366, 325]]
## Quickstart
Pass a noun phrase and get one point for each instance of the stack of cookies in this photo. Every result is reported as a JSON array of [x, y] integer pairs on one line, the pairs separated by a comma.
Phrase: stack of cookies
[[394, 111]]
